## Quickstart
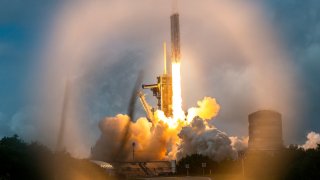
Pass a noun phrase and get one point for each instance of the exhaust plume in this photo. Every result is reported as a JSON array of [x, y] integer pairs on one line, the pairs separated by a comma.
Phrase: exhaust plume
[[239, 144], [200, 138], [164, 140]]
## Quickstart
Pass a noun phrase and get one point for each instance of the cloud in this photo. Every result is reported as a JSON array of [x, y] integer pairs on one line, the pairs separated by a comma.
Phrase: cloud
[[199, 138], [24, 124], [239, 144], [313, 140]]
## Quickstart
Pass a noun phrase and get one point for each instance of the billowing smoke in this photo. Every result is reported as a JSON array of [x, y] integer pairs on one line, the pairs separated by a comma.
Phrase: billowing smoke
[[200, 138], [239, 144], [152, 141], [313, 140], [161, 139], [208, 108]]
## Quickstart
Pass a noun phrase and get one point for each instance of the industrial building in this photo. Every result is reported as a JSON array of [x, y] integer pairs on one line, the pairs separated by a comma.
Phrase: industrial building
[[265, 131]]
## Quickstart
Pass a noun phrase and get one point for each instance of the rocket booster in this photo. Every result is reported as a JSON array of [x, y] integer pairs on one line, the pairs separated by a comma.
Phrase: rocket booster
[[175, 38], [163, 89]]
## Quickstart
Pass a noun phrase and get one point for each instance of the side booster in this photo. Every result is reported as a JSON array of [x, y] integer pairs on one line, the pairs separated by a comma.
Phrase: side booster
[[162, 90]]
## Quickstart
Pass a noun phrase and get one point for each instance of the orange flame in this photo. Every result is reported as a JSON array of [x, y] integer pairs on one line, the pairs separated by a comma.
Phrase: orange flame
[[178, 113]]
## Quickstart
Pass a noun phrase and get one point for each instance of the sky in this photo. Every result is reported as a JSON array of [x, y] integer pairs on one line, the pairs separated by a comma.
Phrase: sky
[[107, 45]]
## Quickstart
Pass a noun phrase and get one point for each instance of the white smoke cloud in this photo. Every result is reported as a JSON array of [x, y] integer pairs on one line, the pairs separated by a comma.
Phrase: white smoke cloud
[[161, 139], [239, 144], [153, 141], [199, 138], [159, 142], [313, 140]]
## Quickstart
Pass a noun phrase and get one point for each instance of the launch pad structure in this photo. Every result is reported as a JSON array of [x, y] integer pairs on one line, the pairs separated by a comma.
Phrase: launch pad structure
[[162, 90]]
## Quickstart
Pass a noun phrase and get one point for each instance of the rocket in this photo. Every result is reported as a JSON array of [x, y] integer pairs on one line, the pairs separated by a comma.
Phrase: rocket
[[175, 38], [162, 90]]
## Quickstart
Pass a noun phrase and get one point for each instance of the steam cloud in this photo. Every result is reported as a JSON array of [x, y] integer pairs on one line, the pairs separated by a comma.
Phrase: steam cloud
[[239, 144], [158, 140], [152, 141], [200, 138]]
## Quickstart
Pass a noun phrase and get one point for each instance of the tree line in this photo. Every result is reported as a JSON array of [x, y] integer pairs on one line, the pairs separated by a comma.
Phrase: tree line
[[33, 161], [290, 163], [21, 160]]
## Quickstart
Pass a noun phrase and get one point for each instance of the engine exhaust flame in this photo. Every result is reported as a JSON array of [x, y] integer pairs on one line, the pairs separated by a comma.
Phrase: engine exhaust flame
[[178, 113]]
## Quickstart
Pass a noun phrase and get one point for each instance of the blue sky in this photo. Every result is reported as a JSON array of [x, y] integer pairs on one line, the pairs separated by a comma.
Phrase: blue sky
[[24, 23], [299, 23], [21, 25]]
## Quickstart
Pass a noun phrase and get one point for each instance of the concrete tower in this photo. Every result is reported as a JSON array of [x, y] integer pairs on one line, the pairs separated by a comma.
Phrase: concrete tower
[[265, 131]]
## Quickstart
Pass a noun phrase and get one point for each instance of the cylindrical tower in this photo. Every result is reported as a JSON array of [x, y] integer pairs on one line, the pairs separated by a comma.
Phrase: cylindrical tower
[[265, 131]]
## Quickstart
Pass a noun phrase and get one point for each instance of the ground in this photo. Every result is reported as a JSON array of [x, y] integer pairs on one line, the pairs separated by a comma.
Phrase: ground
[[215, 177]]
